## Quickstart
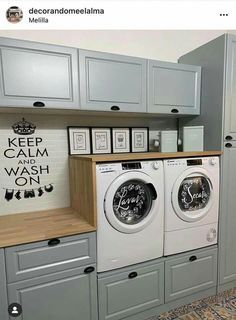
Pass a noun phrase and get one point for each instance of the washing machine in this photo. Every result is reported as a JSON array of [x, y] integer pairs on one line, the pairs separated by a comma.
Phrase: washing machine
[[130, 213], [191, 203]]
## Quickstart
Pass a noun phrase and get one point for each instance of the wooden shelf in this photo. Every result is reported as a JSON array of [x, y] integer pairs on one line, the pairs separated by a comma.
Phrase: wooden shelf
[[145, 156], [42, 225]]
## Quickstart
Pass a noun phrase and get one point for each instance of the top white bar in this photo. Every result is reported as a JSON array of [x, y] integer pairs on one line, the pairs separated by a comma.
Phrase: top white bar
[[122, 15]]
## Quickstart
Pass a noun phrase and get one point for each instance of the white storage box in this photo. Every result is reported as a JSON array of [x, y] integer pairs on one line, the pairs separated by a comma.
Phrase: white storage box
[[192, 138], [168, 141]]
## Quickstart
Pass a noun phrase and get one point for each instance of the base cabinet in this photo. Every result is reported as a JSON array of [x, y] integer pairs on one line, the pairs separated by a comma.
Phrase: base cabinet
[[64, 295], [186, 274], [53, 280], [128, 291]]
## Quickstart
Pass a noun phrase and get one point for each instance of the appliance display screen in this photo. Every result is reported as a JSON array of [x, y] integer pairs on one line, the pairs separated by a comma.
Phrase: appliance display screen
[[131, 165], [194, 162]]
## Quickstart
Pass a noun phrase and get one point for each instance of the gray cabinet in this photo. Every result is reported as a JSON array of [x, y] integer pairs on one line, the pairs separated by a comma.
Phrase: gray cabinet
[[228, 216], [173, 88], [55, 279], [186, 274], [38, 75], [230, 90], [218, 116], [3, 291], [112, 82], [129, 291], [69, 294]]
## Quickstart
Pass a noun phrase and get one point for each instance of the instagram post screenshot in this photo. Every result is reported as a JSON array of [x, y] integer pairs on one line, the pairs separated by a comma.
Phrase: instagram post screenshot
[[118, 160]]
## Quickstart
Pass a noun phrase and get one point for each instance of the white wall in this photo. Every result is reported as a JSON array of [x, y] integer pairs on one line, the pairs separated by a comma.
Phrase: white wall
[[154, 44]]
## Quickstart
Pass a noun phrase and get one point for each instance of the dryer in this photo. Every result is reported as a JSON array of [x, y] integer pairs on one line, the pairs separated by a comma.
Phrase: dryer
[[191, 203], [130, 213]]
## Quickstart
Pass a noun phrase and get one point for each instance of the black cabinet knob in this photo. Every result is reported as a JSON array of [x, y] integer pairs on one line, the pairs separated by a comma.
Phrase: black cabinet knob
[[89, 269], [53, 242], [192, 258], [228, 145], [132, 275], [175, 111], [38, 104], [115, 108], [228, 138]]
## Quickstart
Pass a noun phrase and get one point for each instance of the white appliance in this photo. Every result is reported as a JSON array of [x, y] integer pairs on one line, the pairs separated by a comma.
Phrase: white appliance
[[191, 203], [130, 200]]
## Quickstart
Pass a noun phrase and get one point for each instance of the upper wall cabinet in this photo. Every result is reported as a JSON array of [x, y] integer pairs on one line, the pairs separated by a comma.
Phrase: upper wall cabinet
[[173, 88], [38, 75], [112, 82]]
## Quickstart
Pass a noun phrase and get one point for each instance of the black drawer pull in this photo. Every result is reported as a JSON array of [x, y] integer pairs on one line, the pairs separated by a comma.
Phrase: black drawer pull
[[53, 242], [192, 258], [175, 111], [89, 269], [115, 108], [132, 275], [228, 138], [228, 145], [38, 104]]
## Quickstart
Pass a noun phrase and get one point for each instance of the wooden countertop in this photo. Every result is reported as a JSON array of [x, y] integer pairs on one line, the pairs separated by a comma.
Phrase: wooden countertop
[[144, 156], [41, 225]]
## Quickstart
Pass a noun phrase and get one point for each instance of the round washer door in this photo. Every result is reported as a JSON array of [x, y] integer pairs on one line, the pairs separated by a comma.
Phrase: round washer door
[[192, 194], [131, 202]]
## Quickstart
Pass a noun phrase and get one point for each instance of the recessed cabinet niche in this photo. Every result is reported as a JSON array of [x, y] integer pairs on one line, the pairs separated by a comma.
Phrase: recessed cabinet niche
[[173, 88], [38, 75], [110, 82]]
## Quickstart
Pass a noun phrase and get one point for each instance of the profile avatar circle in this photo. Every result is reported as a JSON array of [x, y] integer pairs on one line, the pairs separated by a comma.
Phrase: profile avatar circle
[[14, 14], [15, 310]]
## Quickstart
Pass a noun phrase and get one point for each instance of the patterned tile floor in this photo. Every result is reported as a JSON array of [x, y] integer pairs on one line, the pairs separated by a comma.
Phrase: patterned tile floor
[[222, 306]]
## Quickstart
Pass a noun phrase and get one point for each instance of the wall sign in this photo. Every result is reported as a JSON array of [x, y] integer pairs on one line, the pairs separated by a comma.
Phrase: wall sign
[[25, 150]]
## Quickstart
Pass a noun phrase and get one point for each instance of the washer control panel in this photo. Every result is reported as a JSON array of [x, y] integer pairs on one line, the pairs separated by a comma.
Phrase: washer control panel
[[192, 162]]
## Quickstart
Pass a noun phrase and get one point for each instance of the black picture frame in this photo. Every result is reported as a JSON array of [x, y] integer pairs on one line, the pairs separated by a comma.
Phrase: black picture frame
[[121, 142], [101, 140], [139, 139], [79, 140]]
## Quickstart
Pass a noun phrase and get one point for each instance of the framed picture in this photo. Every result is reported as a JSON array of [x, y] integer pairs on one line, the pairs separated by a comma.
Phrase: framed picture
[[79, 140], [101, 140], [120, 140], [139, 137]]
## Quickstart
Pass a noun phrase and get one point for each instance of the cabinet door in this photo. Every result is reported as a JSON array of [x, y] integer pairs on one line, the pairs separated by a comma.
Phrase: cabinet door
[[3, 291], [190, 273], [36, 74], [131, 290], [112, 82], [228, 215], [173, 88], [230, 90], [64, 295]]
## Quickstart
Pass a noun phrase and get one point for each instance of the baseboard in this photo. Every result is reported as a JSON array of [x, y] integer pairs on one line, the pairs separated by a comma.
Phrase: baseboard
[[226, 286]]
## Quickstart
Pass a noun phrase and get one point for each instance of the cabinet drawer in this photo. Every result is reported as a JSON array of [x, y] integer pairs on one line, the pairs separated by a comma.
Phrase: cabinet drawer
[[44, 257], [190, 273], [130, 291]]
